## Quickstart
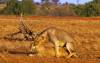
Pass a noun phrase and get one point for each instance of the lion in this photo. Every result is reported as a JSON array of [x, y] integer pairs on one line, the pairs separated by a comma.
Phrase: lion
[[59, 38]]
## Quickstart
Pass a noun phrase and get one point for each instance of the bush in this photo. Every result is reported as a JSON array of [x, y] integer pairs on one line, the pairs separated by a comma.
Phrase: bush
[[15, 7]]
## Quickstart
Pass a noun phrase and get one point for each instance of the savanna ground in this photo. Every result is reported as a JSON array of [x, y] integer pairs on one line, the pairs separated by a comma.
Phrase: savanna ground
[[85, 32]]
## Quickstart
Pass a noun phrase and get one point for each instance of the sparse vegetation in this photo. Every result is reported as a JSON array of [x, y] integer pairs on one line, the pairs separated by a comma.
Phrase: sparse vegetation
[[83, 30]]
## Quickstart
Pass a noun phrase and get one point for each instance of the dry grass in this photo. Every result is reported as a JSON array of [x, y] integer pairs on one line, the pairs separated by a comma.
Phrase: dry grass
[[85, 32]]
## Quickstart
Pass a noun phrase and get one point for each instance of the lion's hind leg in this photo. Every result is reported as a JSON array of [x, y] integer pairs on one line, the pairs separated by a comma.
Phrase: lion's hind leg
[[70, 50], [72, 54]]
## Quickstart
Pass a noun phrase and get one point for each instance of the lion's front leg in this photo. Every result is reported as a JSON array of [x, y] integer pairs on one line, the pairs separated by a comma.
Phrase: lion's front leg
[[57, 52]]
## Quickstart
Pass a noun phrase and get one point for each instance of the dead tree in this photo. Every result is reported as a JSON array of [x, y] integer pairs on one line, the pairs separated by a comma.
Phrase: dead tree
[[24, 30]]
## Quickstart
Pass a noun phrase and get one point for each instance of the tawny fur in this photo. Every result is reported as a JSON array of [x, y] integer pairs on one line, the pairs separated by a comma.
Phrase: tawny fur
[[59, 38]]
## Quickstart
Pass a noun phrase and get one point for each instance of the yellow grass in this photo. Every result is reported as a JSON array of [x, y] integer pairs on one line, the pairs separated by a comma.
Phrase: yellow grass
[[86, 34]]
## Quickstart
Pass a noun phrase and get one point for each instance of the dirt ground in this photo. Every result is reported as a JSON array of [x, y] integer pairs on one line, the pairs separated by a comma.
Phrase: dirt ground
[[85, 32]]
